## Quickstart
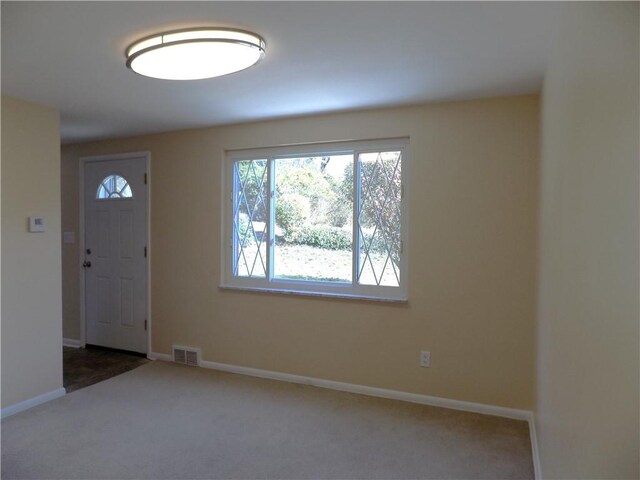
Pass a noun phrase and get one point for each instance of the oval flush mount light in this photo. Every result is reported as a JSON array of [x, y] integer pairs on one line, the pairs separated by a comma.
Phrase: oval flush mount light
[[194, 54]]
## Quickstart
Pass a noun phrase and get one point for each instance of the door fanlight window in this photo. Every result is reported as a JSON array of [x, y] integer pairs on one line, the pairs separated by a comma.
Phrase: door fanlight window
[[114, 186]]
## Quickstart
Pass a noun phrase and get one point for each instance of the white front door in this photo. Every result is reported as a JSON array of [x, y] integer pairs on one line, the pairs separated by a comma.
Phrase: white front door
[[115, 256]]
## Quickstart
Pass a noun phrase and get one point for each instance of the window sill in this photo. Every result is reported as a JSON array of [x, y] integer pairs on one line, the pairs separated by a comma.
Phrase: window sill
[[328, 295]]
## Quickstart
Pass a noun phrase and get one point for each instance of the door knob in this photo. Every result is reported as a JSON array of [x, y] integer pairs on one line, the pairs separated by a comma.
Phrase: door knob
[[86, 264]]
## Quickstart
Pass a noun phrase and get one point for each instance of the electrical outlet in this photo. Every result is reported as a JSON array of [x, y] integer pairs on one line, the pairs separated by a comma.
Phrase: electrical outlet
[[425, 358]]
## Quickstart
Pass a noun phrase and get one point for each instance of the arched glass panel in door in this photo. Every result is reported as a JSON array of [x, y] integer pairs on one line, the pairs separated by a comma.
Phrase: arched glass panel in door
[[114, 186]]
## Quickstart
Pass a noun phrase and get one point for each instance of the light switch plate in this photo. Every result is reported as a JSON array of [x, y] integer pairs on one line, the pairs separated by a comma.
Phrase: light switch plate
[[425, 358], [37, 224]]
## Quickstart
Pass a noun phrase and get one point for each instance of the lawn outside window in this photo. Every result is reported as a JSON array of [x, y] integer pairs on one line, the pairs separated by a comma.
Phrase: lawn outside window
[[326, 219]]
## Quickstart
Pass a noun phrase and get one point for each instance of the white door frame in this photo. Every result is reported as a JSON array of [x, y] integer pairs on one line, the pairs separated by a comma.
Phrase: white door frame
[[81, 257]]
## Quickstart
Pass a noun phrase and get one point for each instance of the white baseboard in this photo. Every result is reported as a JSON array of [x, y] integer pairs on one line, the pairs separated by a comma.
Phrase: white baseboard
[[32, 402], [159, 356], [71, 342], [534, 448], [364, 390]]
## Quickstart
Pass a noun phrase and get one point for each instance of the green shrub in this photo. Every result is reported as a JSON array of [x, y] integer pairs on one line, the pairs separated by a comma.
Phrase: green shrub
[[378, 244], [291, 210], [245, 231], [321, 236], [340, 212]]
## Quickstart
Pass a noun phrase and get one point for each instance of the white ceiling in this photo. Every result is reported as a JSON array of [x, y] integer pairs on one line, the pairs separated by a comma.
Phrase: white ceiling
[[321, 56]]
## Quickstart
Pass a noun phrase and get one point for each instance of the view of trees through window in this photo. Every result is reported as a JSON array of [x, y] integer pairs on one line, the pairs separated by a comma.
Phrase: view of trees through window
[[314, 218], [313, 205]]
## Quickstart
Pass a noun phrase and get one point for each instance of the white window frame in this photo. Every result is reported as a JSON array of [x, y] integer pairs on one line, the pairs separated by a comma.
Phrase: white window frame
[[305, 287]]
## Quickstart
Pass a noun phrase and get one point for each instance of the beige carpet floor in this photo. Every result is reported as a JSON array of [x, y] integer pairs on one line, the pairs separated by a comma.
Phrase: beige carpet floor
[[163, 420]]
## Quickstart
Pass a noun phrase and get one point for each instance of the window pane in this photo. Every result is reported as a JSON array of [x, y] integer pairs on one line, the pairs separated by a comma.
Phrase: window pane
[[314, 218], [250, 218], [114, 186], [379, 218]]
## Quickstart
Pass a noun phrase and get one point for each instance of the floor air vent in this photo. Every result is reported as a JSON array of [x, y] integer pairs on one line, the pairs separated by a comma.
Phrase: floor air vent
[[186, 355]]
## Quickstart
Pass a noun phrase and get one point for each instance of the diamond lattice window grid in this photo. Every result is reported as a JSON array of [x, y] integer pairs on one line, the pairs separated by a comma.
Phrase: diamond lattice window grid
[[379, 218], [250, 218]]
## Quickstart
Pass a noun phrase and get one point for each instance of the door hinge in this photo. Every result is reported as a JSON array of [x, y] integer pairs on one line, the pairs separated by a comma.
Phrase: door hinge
[[145, 324], [145, 251], [145, 178]]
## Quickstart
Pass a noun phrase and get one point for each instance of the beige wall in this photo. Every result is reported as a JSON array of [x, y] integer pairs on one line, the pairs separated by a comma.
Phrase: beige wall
[[587, 374], [31, 271], [473, 218]]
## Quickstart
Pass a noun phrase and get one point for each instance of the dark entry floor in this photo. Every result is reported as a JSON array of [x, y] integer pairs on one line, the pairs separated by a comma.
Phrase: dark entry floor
[[85, 366]]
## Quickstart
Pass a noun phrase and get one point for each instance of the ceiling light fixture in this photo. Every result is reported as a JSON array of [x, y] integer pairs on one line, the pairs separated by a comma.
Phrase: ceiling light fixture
[[195, 53]]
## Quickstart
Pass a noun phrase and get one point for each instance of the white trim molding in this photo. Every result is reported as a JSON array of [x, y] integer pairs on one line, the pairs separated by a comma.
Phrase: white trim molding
[[71, 342], [363, 389], [160, 356], [32, 402], [535, 453]]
